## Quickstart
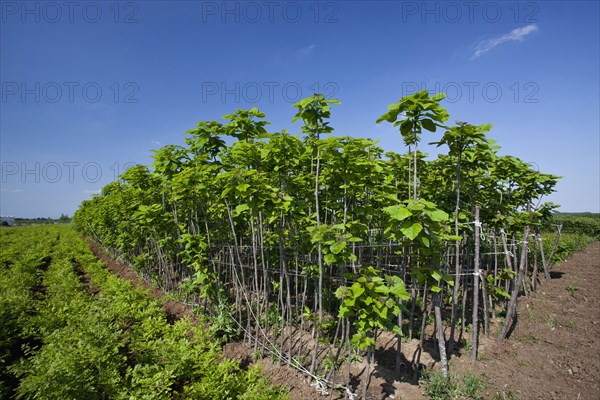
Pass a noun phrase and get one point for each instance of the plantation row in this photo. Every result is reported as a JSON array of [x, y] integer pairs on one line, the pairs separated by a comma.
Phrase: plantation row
[[69, 329], [280, 235]]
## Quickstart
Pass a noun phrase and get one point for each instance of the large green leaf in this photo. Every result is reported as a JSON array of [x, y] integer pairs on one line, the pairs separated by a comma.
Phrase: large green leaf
[[241, 208], [411, 231], [337, 248], [406, 127], [429, 125], [357, 290], [398, 212], [243, 187], [437, 215], [399, 289], [329, 259]]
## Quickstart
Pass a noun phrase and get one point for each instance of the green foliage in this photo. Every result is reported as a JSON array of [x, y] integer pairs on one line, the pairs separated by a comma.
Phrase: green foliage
[[373, 302], [267, 181], [571, 289], [418, 111], [314, 111], [223, 327], [586, 224], [335, 241], [495, 288], [21, 260], [104, 339], [423, 226], [437, 387], [568, 244], [282, 216]]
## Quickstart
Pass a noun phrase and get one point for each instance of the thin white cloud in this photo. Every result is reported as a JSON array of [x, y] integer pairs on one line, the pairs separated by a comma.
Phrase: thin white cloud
[[13, 190], [307, 50], [155, 142], [516, 35], [97, 191]]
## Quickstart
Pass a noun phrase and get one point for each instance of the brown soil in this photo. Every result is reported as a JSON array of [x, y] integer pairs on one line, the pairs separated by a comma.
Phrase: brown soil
[[554, 352], [279, 375]]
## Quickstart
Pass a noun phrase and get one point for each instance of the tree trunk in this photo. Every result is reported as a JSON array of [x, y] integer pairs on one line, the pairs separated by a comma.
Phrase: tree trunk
[[511, 309], [559, 227], [422, 337], [399, 342], [486, 304], [437, 299], [535, 264], [457, 268], [368, 374], [546, 271], [475, 331]]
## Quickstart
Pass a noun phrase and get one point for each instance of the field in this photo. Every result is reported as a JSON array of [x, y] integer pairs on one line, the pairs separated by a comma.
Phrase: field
[[72, 330], [342, 270], [107, 332]]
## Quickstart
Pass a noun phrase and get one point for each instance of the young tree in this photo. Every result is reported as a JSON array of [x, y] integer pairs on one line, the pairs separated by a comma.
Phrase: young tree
[[416, 112]]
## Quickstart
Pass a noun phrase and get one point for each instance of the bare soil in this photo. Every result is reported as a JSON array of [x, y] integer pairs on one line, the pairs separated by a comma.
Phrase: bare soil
[[553, 353]]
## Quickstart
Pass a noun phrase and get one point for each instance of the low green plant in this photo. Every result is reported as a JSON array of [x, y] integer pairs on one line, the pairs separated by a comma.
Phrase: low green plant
[[439, 388], [466, 345], [99, 337], [331, 364], [572, 289], [223, 327], [354, 357]]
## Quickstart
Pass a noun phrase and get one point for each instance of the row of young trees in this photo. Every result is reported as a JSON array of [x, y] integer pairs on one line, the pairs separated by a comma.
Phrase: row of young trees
[[279, 234]]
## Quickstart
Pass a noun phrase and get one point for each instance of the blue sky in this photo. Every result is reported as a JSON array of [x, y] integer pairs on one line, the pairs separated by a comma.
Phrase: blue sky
[[89, 87]]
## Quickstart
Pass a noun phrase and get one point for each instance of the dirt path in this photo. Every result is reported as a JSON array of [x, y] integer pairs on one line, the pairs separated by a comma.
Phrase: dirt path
[[554, 353]]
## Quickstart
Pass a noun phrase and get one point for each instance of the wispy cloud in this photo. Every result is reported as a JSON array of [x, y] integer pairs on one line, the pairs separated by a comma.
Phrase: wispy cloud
[[97, 191], [13, 190], [307, 50], [155, 142], [516, 35]]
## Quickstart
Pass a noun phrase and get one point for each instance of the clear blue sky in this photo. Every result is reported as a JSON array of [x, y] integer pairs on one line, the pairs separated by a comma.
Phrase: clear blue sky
[[88, 87]]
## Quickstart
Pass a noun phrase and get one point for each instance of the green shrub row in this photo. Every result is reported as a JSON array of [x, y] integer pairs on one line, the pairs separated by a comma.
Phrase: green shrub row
[[90, 335], [22, 259], [568, 244], [582, 224]]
